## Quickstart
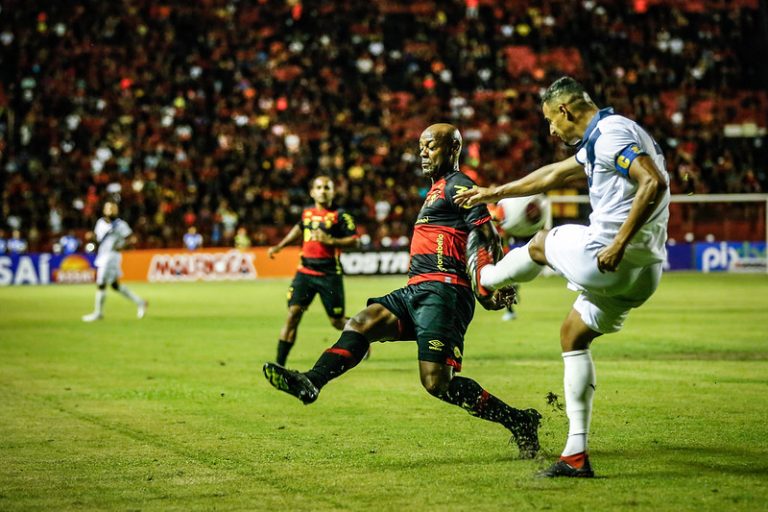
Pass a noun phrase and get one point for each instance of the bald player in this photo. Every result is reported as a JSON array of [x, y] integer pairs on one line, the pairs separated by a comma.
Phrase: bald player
[[435, 307]]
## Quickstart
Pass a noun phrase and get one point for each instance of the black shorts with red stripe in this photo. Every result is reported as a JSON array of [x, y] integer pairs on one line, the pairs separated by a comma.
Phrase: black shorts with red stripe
[[330, 287], [434, 314]]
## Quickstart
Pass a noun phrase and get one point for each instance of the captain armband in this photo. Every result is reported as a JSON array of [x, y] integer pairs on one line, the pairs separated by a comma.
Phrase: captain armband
[[483, 248], [626, 156]]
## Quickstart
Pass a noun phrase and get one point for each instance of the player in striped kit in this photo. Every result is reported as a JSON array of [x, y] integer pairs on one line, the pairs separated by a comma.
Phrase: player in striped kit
[[615, 262], [324, 231], [111, 234], [437, 304]]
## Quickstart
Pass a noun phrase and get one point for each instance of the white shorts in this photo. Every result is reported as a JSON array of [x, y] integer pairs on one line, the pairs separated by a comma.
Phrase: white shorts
[[606, 297], [109, 272]]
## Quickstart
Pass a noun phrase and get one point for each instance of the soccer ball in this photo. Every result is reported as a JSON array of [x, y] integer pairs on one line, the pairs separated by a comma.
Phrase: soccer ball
[[521, 217]]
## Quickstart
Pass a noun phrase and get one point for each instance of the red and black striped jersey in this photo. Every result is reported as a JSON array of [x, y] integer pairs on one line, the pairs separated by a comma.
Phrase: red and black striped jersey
[[439, 245], [319, 259]]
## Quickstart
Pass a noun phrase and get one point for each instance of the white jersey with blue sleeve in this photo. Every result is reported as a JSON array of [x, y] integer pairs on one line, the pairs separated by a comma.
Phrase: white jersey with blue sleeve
[[610, 145], [111, 237]]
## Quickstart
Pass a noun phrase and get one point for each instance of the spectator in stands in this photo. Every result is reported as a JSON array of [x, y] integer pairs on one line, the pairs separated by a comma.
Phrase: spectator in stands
[[242, 240], [192, 239], [16, 244], [69, 243], [253, 107]]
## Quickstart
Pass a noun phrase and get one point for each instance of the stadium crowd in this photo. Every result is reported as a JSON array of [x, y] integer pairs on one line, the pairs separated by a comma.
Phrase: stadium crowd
[[215, 114]]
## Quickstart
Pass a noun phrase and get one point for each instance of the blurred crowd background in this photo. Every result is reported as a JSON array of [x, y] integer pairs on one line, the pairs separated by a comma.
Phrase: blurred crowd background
[[212, 116]]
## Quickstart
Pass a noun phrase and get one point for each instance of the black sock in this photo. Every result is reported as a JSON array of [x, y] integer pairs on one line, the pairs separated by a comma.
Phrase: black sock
[[283, 349], [344, 355], [470, 396]]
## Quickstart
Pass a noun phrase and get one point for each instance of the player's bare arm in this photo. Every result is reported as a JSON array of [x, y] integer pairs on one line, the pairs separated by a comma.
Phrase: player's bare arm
[[344, 242], [544, 178], [293, 235], [651, 186]]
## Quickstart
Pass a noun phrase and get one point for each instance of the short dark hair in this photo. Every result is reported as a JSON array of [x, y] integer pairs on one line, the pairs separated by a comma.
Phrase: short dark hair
[[571, 92]]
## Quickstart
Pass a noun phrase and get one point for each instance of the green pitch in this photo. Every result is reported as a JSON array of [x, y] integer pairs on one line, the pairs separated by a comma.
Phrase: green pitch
[[172, 412]]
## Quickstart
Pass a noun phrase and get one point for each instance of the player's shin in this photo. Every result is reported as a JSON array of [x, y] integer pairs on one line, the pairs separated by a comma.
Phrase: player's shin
[[344, 355], [516, 267], [283, 349], [470, 396], [98, 305], [579, 385]]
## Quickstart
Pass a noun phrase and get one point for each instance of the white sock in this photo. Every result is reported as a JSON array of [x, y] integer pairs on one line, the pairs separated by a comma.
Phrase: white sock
[[128, 293], [579, 383], [515, 267], [101, 296]]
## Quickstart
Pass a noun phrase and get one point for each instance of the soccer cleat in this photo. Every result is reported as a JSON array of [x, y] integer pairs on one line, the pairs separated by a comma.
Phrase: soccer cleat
[[292, 382], [509, 315], [92, 317], [142, 310], [525, 434], [562, 468]]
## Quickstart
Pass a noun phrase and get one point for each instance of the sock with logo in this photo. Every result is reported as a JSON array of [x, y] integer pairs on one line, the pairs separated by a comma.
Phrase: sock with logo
[[344, 355], [283, 349], [579, 383], [470, 396]]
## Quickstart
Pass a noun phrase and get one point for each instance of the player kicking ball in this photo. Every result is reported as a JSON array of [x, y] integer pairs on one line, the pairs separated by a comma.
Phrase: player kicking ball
[[111, 234], [615, 262]]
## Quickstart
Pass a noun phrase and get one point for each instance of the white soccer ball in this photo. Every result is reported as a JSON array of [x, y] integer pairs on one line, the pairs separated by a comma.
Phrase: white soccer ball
[[522, 216]]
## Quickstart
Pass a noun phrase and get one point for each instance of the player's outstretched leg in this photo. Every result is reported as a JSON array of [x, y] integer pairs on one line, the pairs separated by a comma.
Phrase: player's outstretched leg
[[524, 424], [291, 382], [344, 355]]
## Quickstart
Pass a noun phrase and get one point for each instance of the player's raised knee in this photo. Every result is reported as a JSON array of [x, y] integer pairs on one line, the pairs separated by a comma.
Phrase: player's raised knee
[[536, 247]]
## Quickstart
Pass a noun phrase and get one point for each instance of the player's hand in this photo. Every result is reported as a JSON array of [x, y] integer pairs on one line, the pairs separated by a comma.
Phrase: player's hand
[[318, 235], [272, 251], [499, 299], [608, 258], [475, 195]]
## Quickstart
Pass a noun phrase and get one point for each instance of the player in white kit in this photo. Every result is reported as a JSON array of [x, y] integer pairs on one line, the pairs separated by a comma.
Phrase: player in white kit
[[111, 235], [615, 262]]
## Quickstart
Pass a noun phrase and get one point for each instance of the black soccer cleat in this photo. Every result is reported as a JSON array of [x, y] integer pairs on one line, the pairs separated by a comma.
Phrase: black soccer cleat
[[292, 382], [562, 468], [525, 433]]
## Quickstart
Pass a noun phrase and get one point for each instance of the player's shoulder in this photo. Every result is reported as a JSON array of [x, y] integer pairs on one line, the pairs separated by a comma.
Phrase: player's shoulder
[[616, 124], [458, 177]]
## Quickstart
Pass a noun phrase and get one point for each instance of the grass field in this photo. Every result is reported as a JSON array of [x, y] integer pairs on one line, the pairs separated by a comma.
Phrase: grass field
[[172, 412]]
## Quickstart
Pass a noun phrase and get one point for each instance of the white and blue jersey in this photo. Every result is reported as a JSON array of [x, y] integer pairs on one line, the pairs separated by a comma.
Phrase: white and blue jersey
[[111, 237], [610, 145]]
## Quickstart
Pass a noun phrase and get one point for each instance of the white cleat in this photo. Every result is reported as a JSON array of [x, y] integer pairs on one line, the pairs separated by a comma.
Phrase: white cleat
[[509, 315], [142, 310], [92, 317]]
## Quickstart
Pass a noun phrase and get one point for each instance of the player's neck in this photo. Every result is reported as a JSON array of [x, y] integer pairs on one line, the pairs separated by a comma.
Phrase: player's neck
[[586, 117]]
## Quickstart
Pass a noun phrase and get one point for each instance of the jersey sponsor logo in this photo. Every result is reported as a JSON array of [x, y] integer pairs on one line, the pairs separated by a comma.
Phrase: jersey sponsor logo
[[461, 188], [436, 345], [439, 252], [218, 266], [437, 192]]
